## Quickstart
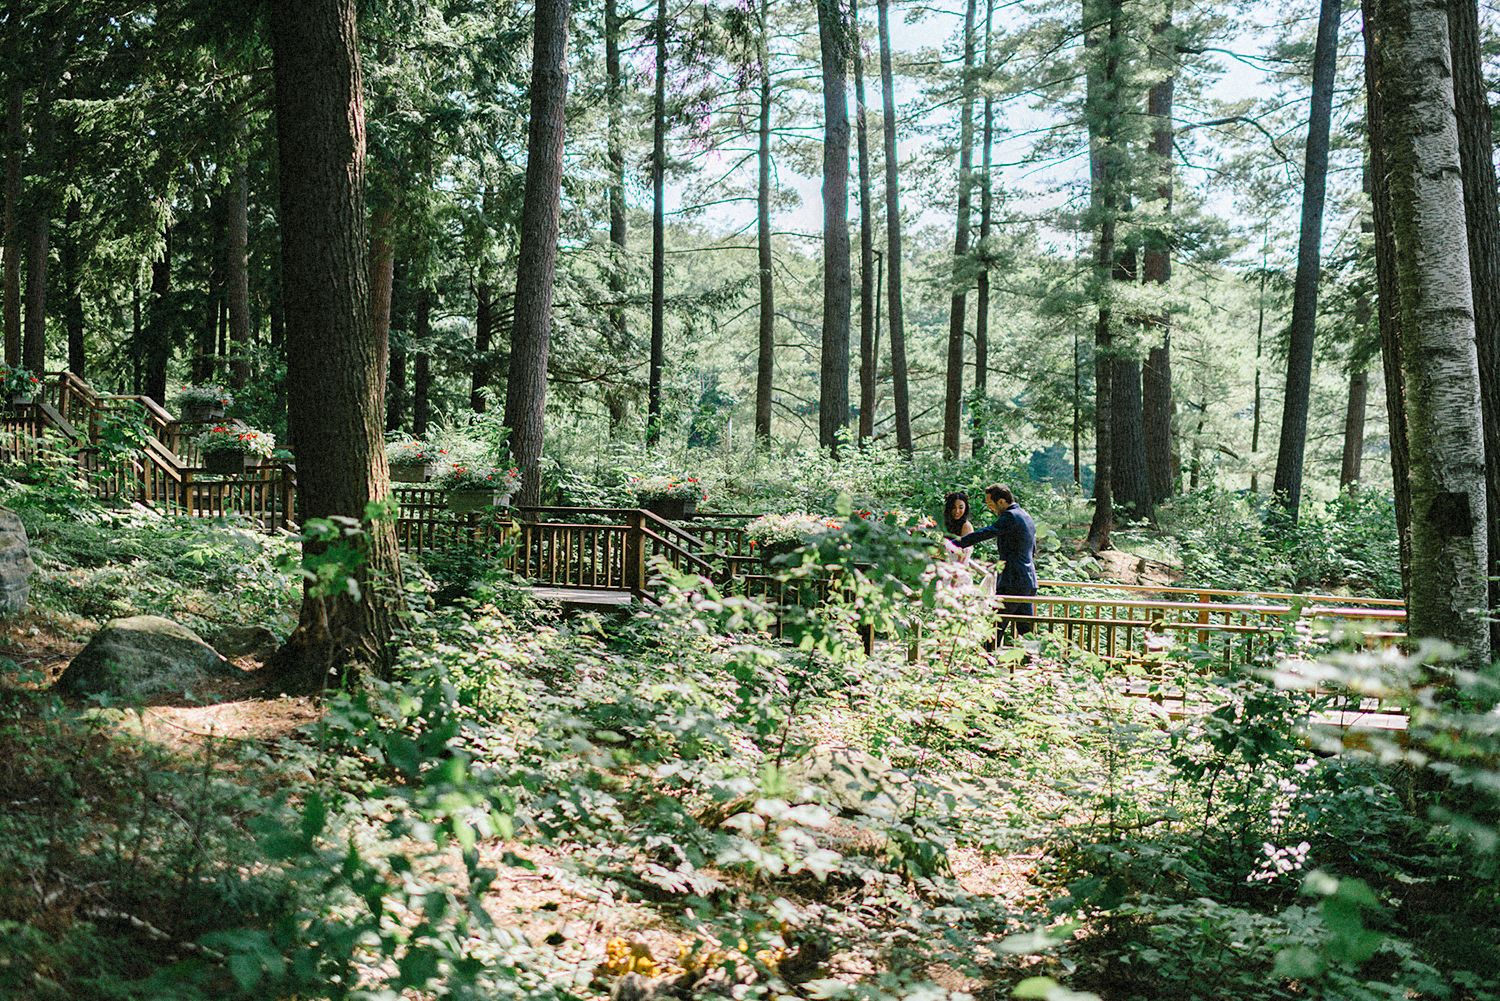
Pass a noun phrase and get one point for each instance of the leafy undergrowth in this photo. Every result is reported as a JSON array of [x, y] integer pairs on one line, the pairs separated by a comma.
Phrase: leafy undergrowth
[[676, 804]]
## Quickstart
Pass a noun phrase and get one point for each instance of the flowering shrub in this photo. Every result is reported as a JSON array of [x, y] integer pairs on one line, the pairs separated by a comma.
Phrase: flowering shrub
[[413, 452], [462, 476], [212, 395], [17, 381], [796, 527], [241, 439], [668, 488]]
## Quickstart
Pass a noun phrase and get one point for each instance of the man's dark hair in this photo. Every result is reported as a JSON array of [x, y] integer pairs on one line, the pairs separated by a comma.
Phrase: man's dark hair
[[1000, 492]]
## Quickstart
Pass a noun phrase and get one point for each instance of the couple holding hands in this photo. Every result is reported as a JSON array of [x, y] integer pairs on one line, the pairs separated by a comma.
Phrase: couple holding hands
[[1014, 533]]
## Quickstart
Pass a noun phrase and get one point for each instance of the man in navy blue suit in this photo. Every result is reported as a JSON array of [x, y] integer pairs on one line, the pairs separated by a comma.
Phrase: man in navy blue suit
[[1015, 534]]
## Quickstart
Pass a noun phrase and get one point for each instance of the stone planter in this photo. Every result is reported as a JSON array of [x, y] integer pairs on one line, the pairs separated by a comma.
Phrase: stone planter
[[414, 474], [670, 508], [200, 413], [229, 463], [465, 501]]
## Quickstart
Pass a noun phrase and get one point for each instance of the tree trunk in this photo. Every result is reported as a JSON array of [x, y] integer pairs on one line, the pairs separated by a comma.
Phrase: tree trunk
[[957, 306], [395, 389], [72, 268], [1129, 479], [1287, 490], [158, 347], [382, 284], [421, 333], [1482, 216], [1443, 411], [15, 144], [765, 368], [980, 408], [867, 342], [1354, 428], [1156, 268], [333, 395], [614, 398], [658, 233], [833, 373], [1104, 113], [531, 331], [484, 340], [34, 340], [205, 346], [900, 400], [237, 277]]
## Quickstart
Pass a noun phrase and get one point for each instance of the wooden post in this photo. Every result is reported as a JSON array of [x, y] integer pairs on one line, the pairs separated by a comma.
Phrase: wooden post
[[635, 553]]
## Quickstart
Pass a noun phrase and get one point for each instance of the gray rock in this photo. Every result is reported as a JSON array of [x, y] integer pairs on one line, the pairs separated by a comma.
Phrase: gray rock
[[16, 567], [256, 642], [140, 657]]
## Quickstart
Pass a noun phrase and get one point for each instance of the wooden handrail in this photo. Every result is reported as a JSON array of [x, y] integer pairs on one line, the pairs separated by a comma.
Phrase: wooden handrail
[[1284, 596]]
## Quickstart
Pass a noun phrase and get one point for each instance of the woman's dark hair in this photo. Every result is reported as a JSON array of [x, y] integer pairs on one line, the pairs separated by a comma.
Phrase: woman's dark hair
[[949, 525]]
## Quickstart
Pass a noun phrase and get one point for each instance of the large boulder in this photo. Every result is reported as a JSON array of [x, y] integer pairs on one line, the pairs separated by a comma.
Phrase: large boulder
[[16, 567], [136, 658]]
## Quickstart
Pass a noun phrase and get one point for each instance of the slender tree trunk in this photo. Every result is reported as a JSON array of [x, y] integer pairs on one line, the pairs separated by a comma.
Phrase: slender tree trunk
[[382, 283], [484, 339], [980, 409], [1354, 428], [15, 144], [867, 341], [237, 277], [158, 347], [833, 381], [658, 233], [1129, 478], [34, 341], [205, 347], [1450, 558], [1482, 216], [1156, 268], [615, 399], [765, 369], [1104, 114], [333, 391], [421, 396], [895, 314], [1288, 486], [72, 267], [531, 332], [957, 307], [1388, 291], [395, 389]]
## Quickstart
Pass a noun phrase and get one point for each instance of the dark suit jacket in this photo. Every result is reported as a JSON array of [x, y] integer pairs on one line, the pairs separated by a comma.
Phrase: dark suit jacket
[[1015, 534]]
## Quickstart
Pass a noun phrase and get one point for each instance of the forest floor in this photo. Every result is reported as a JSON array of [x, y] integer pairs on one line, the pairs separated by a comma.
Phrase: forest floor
[[545, 904]]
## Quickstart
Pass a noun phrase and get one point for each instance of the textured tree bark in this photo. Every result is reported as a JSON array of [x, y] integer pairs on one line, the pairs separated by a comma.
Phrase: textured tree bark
[[1448, 590], [657, 360], [15, 144], [71, 260], [1104, 113], [615, 398], [237, 278], [1388, 297], [900, 398], [867, 343], [833, 369], [1129, 480], [981, 399], [1156, 268], [333, 396], [157, 351], [953, 400], [1482, 217], [484, 339], [1287, 490], [531, 332], [1354, 428], [765, 366]]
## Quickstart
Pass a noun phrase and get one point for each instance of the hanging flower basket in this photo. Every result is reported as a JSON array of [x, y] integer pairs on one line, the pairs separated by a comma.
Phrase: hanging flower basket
[[466, 500], [229, 463], [18, 384], [197, 404]]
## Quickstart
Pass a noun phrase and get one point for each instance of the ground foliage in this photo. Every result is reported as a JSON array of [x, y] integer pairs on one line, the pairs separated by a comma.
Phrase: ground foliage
[[748, 815]]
